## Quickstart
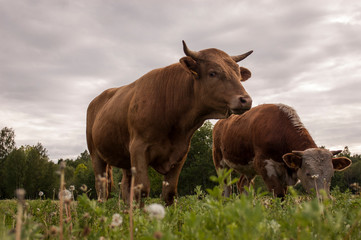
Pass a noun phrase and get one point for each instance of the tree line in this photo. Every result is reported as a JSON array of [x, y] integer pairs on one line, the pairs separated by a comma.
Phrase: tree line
[[29, 167]]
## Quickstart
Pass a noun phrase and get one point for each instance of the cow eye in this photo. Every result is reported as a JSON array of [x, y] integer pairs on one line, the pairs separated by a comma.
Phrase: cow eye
[[212, 74]]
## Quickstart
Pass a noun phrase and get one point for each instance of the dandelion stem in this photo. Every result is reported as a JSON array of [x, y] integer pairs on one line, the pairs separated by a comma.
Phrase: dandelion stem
[[131, 205], [61, 199], [20, 195], [18, 221]]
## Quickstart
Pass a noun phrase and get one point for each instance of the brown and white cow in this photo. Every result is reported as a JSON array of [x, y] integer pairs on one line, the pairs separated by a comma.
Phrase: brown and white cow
[[270, 140], [150, 122]]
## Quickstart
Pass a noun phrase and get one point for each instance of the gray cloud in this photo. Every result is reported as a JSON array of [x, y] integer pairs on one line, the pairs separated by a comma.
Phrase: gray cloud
[[56, 56]]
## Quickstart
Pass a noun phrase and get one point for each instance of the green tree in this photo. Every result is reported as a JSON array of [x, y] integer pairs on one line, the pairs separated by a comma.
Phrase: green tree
[[351, 175], [199, 164], [29, 167], [14, 172], [36, 165], [7, 144]]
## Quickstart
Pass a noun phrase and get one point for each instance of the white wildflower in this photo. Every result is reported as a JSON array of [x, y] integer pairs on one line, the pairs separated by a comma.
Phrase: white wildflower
[[156, 211], [41, 194], [274, 225], [315, 176], [117, 220], [71, 188]]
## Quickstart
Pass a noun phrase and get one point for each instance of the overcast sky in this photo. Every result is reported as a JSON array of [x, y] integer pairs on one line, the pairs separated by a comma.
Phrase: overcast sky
[[56, 56]]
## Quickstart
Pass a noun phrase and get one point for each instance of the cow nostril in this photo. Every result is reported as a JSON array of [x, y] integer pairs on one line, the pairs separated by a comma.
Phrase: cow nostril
[[243, 100]]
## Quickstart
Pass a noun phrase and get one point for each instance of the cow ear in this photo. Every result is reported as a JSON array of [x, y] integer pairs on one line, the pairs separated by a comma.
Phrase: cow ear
[[292, 160], [336, 152], [341, 163], [190, 65], [245, 73]]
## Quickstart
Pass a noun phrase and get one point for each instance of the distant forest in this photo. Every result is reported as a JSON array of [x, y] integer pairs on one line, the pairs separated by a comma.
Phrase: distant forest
[[29, 167]]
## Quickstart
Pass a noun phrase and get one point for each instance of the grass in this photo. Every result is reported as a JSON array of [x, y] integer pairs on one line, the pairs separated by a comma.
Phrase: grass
[[200, 216]]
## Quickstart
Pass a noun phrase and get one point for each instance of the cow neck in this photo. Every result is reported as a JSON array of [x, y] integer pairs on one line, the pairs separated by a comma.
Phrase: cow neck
[[303, 141], [187, 111]]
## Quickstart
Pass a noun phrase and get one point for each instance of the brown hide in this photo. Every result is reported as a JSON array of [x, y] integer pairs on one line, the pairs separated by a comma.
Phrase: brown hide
[[254, 144], [150, 122]]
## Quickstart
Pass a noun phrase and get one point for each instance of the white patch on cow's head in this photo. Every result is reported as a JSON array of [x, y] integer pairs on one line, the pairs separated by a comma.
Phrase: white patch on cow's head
[[279, 170], [270, 168], [292, 115]]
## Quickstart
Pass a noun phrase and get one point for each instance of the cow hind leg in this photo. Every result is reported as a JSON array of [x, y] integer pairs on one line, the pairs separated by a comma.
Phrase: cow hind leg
[[126, 181], [221, 168]]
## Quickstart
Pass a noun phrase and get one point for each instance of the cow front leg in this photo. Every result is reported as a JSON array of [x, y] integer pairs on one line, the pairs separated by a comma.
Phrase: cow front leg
[[169, 189], [274, 184], [100, 169], [139, 163], [227, 189]]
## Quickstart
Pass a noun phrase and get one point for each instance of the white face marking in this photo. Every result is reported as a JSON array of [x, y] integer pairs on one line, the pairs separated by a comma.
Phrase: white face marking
[[278, 169], [270, 167]]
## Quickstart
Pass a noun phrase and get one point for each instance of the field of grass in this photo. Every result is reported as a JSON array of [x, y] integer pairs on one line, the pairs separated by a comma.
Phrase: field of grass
[[200, 216]]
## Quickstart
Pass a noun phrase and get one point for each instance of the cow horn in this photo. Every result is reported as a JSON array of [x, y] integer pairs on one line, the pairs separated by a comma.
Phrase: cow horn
[[298, 153], [336, 152], [241, 57], [188, 52]]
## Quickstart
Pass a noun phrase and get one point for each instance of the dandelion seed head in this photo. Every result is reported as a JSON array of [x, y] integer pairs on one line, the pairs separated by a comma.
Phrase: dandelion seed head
[[103, 219], [20, 193], [155, 211], [158, 235], [138, 187], [62, 165], [117, 220], [83, 187], [53, 230], [66, 194], [41, 194]]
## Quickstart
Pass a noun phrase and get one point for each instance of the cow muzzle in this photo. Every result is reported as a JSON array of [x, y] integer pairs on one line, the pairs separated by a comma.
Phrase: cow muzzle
[[240, 104]]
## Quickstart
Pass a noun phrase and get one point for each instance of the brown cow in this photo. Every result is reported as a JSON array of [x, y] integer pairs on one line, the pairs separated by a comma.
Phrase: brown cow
[[270, 140], [150, 122]]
